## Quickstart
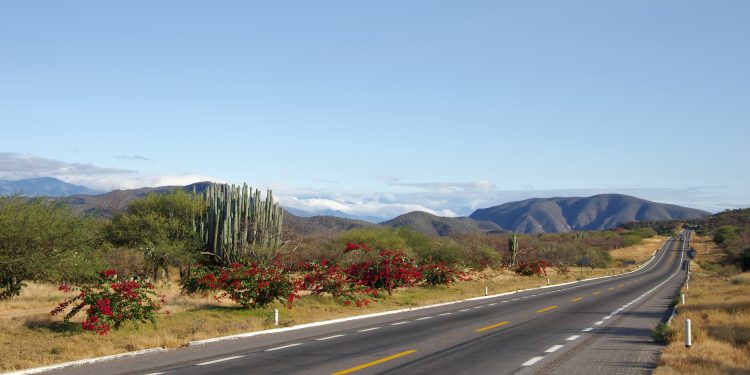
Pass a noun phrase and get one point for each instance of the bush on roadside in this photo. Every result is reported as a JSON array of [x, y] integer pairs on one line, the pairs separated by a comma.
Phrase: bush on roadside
[[110, 303]]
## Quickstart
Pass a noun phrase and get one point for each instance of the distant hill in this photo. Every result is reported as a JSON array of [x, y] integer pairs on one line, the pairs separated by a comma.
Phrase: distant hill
[[544, 215], [432, 225], [336, 213], [108, 204], [42, 186], [321, 224]]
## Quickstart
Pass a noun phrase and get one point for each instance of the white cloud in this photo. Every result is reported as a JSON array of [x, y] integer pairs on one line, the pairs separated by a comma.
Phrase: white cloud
[[15, 166]]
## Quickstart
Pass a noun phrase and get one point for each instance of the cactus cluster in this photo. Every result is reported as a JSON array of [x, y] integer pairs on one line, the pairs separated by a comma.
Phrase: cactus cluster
[[513, 247], [236, 221]]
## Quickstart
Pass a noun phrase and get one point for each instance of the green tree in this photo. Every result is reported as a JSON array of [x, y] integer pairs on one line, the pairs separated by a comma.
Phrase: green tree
[[162, 226], [42, 241]]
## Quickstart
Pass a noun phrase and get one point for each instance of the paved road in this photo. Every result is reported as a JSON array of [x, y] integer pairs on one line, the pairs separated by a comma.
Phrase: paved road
[[597, 326]]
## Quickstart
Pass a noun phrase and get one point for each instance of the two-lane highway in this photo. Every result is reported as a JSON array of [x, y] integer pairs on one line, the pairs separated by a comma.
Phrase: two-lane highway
[[536, 330]]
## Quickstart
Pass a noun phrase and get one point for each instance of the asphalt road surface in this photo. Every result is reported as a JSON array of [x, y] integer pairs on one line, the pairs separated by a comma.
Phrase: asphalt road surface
[[589, 327]]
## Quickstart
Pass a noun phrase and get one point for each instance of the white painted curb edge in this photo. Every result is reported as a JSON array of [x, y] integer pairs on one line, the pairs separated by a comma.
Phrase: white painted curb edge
[[81, 362], [88, 361]]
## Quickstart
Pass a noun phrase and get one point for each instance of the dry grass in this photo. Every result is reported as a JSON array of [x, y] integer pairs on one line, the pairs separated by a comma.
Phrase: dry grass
[[718, 305], [30, 337], [640, 252]]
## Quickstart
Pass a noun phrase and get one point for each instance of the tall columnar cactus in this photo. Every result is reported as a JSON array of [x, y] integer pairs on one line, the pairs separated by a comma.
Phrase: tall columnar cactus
[[513, 247], [236, 221]]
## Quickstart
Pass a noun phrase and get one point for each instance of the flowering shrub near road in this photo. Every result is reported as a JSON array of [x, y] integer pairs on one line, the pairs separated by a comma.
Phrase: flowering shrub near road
[[537, 268], [440, 273], [386, 269], [254, 285], [110, 303]]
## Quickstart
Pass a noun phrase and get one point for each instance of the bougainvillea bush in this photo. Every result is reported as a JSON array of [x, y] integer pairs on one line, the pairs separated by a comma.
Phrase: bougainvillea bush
[[384, 269], [535, 268], [326, 277], [440, 273], [110, 302], [251, 285]]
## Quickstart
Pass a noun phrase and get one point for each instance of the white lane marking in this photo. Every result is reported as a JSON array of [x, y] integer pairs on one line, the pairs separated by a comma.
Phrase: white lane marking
[[515, 299], [399, 323], [219, 360], [492, 304], [553, 349], [368, 329], [424, 318], [329, 337], [444, 314], [607, 317], [156, 373], [283, 347], [599, 322], [532, 361], [505, 301], [463, 310], [478, 307], [571, 338], [587, 329]]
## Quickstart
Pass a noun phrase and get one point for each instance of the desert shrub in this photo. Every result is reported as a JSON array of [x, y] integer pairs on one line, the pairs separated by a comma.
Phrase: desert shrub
[[532, 268], [383, 269], [109, 303], [251, 285], [440, 272]]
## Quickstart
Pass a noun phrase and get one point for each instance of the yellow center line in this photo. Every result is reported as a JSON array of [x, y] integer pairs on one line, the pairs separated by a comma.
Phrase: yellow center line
[[595, 293], [610, 288], [373, 363], [622, 284], [491, 327], [546, 309], [576, 299]]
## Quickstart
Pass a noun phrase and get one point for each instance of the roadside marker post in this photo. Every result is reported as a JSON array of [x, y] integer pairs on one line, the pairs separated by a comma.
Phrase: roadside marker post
[[682, 296], [276, 316], [688, 335], [486, 290]]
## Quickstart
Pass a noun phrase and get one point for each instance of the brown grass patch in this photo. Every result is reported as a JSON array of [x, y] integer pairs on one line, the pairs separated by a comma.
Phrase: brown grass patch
[[719, 309], [640, 252]]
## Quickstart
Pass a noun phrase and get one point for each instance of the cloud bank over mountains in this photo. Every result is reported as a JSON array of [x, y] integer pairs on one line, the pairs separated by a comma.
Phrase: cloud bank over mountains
[[15, 166], [398, 196]]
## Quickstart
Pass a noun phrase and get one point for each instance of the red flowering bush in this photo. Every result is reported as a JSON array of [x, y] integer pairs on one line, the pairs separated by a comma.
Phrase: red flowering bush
[[386, 270], [328, 277], [538, 268], [440, 273], [109, 303], [254, 285]]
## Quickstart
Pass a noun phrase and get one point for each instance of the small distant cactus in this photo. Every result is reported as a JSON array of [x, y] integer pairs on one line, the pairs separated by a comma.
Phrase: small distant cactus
[[513, 247]]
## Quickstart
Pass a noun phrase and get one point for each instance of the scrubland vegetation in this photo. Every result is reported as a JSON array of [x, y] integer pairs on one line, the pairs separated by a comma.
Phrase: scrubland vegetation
[[161, 252]]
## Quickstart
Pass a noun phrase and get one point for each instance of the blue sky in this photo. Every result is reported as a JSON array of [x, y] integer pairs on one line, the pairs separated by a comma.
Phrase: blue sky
[[378, 108]]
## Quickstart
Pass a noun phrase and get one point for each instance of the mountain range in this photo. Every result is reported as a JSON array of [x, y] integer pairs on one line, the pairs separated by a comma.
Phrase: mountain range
[[537, 215]]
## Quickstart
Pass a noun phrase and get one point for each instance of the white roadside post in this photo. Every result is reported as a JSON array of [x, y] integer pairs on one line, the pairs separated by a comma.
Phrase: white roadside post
[[548, 281], [486, 290], [682, 296], [276, 316], [688, 335]]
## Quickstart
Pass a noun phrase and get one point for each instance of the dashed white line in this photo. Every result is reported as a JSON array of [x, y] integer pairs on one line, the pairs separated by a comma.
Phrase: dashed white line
[[368, 329], [492, 304], [444, 314], [571, 338], [515, 299], [598, 323], [399, 323], [463, 310], [219, 360], [424, 318], [329, 337], [553, 349], [607, 317], [587, 329], [283, 347], [478, 307], [532, 361]]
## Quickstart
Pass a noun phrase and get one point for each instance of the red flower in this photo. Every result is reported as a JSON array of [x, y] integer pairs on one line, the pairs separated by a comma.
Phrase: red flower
[[108, 273], [351, 246], [64, 287]]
